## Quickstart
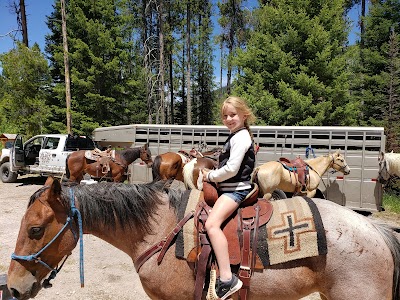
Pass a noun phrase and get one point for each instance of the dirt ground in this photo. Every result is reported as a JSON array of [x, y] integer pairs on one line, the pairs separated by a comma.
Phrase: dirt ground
[[109, 273]]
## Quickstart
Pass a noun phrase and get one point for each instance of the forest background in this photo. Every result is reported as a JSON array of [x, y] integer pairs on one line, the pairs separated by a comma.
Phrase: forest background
[[151, 61]]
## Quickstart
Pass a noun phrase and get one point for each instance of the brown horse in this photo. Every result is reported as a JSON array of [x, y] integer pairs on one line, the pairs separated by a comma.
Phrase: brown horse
[[77, 164], [362, 260], [273, 175]]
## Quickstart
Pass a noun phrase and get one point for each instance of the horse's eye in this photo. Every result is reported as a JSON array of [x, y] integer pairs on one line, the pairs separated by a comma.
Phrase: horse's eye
[[36, 232]]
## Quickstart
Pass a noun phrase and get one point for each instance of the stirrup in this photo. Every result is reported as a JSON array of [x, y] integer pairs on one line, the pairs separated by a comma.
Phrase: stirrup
[[211, 294]]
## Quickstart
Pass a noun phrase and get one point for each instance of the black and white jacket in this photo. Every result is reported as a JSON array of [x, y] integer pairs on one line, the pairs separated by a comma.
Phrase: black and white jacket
[[236, 163]]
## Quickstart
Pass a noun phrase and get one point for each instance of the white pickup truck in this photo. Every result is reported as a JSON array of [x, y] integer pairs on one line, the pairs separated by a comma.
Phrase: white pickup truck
[[42, 154]]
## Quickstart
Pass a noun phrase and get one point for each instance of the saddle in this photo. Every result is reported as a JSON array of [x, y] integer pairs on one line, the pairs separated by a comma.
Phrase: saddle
[[102, 157], [241, 231], [299, 167]]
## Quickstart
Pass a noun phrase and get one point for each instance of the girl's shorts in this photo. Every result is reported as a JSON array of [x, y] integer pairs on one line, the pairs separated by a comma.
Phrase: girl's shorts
[[237, 196]]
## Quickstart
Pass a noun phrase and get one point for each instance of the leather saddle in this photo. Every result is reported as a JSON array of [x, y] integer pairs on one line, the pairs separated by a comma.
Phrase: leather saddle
[[241, 231], [299, 167], [102, 157]]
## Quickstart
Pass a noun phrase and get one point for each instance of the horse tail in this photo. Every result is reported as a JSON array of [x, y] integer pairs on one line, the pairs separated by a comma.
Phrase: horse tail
[[188, 174], [393, 243], [67, 172], [155, 169]]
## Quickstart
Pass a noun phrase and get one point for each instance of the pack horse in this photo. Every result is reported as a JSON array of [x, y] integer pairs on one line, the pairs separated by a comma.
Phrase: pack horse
[[361, 261]]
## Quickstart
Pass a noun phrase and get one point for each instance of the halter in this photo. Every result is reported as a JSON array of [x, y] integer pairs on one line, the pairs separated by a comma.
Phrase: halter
[[36, 257], [341, 168]]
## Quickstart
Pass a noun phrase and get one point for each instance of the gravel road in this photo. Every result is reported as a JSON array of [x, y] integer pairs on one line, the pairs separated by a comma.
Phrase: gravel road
[[109, 273]]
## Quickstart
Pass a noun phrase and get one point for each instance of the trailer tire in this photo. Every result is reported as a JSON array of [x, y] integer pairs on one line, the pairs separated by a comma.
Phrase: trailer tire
[[278, 194], [6, 175]]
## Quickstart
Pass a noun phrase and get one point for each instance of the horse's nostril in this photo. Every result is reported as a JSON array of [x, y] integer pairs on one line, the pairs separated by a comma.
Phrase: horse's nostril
[[14, 293]]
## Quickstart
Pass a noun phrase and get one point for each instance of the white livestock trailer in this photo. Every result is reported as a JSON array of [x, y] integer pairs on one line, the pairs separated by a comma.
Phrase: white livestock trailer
[[360, 145]]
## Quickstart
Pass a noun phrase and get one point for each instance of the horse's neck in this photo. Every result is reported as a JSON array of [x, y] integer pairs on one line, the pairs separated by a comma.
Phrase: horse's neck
[[320, 164], [130, 155], [130, 241], [393, 164]]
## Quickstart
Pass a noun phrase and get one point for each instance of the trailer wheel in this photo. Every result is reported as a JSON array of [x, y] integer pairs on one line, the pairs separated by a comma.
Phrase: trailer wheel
[[278, 194], [6, 175]]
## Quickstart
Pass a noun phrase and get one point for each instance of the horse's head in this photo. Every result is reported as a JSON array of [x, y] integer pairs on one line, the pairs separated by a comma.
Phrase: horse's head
[[145, 155], [37, 251], [383, 173], [339, 163]]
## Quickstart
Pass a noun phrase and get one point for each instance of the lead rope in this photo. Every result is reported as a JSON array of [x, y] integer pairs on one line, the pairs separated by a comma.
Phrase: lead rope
[[76, 212]]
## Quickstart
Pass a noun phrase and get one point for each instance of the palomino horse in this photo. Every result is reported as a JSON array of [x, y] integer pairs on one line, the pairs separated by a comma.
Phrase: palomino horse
[[77, 164], [362, 260], [273, 175], [389, 166]]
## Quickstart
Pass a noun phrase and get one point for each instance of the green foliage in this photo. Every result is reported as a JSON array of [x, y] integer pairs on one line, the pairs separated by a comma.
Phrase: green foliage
[[107, 85], [26, 80], [391, 202], [294, 66]]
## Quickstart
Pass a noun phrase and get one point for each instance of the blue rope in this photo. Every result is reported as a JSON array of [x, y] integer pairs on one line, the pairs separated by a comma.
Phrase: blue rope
[[308, 149], [76, 212]]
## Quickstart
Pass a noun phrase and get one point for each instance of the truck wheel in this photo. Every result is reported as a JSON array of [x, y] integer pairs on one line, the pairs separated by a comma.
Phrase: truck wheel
[[278, 194], [6, 175]]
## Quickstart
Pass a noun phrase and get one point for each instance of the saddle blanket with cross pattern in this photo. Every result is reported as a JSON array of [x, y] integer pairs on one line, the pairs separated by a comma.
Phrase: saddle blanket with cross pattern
[[295, 231]]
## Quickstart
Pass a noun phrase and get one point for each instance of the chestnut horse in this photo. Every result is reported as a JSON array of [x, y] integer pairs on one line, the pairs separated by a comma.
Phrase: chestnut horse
[[77, 164], [273, 175], [362, 260], [174, 165]]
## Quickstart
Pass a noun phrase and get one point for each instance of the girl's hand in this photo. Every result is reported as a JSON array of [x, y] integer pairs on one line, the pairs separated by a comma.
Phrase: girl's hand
[[205, 173]]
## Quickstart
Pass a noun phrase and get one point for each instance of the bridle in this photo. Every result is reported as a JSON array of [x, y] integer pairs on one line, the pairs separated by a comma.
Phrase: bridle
[[341, 168], [74, 212]]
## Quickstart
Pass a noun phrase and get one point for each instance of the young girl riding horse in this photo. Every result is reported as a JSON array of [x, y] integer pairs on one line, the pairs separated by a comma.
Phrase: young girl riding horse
[[236, 163]]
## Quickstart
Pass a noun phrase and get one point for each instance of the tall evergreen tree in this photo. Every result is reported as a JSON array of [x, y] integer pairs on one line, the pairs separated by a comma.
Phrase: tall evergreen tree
[[26, 80], [104, 88], [294, 67]]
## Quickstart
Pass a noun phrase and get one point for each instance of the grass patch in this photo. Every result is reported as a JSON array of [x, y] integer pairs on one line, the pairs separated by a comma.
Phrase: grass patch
[[391, 202]]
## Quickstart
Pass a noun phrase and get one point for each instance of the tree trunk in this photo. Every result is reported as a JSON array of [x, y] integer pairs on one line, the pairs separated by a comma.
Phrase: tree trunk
[[362, 25], [161, 70], [66, 66], [23, 23], [188, 83]]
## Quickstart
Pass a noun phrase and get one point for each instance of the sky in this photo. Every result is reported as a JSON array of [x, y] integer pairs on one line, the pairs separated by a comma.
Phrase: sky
[[37, 10]]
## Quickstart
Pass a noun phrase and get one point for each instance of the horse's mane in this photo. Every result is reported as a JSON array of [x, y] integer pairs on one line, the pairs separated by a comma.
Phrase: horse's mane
[[112, 204], [156, 168]]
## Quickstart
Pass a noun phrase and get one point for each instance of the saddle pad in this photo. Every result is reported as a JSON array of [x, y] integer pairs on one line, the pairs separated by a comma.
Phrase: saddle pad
[[294, 231], [185, 241]]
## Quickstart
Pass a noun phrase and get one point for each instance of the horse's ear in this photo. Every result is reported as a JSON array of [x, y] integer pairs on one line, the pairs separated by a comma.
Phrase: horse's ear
[[49, 181], [146, 146], [381, 156], [55, 186]]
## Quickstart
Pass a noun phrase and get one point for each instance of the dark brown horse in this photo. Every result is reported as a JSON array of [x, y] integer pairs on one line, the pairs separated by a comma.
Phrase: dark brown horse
[[115, 167], [362, 260]]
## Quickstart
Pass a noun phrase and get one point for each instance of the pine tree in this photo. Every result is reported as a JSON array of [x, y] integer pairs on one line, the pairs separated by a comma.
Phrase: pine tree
[[294, 67], [106, 86]]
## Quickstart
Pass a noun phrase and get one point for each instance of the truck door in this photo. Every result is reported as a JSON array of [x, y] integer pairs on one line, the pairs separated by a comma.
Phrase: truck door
[[17, 156], [51, 156]]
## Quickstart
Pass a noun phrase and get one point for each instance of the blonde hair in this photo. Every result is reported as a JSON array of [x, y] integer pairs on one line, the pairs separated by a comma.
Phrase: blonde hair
[[240, 105]]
